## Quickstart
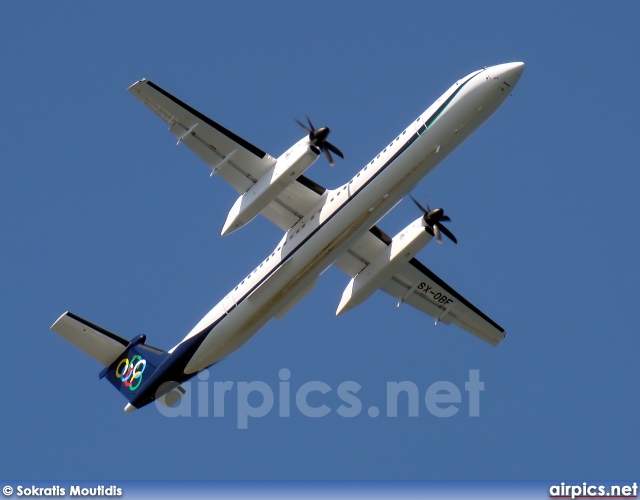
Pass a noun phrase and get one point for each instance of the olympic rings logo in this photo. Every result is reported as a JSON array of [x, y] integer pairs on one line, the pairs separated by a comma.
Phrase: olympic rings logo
[[130, 372]]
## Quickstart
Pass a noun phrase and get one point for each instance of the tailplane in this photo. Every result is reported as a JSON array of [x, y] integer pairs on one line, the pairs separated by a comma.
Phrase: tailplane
[[128, 365]]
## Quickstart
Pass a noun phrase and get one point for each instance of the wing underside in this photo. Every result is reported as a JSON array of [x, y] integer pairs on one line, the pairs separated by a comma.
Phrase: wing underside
[[234, 159], [416, 285]]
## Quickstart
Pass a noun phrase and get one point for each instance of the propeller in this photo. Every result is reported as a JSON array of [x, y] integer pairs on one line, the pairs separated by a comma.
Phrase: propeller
[[434, 219], [318, 139]]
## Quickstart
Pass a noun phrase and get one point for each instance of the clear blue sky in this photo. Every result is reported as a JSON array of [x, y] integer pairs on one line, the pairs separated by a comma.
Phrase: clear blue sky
[[102, 215]]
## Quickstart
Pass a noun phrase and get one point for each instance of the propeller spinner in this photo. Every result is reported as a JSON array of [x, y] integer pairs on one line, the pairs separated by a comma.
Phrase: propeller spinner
[[434, 219], [318, 139]]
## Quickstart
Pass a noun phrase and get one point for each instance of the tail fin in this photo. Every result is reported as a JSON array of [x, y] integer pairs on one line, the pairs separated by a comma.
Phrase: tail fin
[[136, 364]]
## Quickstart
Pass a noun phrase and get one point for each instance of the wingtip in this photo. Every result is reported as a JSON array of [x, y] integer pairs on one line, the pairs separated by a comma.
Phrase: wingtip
[[132, 86]]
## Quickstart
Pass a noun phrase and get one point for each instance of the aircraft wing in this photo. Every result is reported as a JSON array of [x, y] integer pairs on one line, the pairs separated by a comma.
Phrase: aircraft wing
[[416, 285], [237, 161]]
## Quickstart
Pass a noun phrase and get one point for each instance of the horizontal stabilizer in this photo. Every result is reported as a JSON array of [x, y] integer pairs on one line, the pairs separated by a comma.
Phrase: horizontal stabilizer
[[100, 344], [127, 364]]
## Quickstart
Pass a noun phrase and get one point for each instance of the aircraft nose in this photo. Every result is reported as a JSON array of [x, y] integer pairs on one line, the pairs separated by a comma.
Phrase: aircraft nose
[[511, 72]]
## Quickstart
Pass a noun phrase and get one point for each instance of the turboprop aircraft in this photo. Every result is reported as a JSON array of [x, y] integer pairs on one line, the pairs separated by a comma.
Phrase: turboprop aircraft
[[322, 227]]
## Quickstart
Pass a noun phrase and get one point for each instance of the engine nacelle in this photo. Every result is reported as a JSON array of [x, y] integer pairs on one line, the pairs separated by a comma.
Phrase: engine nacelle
[[404, 246], [274, 181]]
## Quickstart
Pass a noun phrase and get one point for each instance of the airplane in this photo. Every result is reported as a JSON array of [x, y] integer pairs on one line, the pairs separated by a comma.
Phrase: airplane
[[322, 227]]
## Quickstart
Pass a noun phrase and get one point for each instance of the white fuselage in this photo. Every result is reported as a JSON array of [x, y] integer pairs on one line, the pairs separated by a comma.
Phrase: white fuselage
[[342, 215]]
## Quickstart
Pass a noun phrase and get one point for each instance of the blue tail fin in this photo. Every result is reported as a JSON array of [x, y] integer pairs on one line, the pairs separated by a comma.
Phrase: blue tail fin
[[135, 365]]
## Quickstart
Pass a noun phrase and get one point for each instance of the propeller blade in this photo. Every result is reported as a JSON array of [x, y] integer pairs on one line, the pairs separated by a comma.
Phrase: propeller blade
[[422, 209], [448, 233], [434, 219], [327, 155], [436, 233], [318, 140], [310, 124], [333, 149], [303, 126]]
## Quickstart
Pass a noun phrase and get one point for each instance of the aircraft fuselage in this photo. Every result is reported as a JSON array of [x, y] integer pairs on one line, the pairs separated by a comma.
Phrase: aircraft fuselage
[[338, 220], [343, 214]]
